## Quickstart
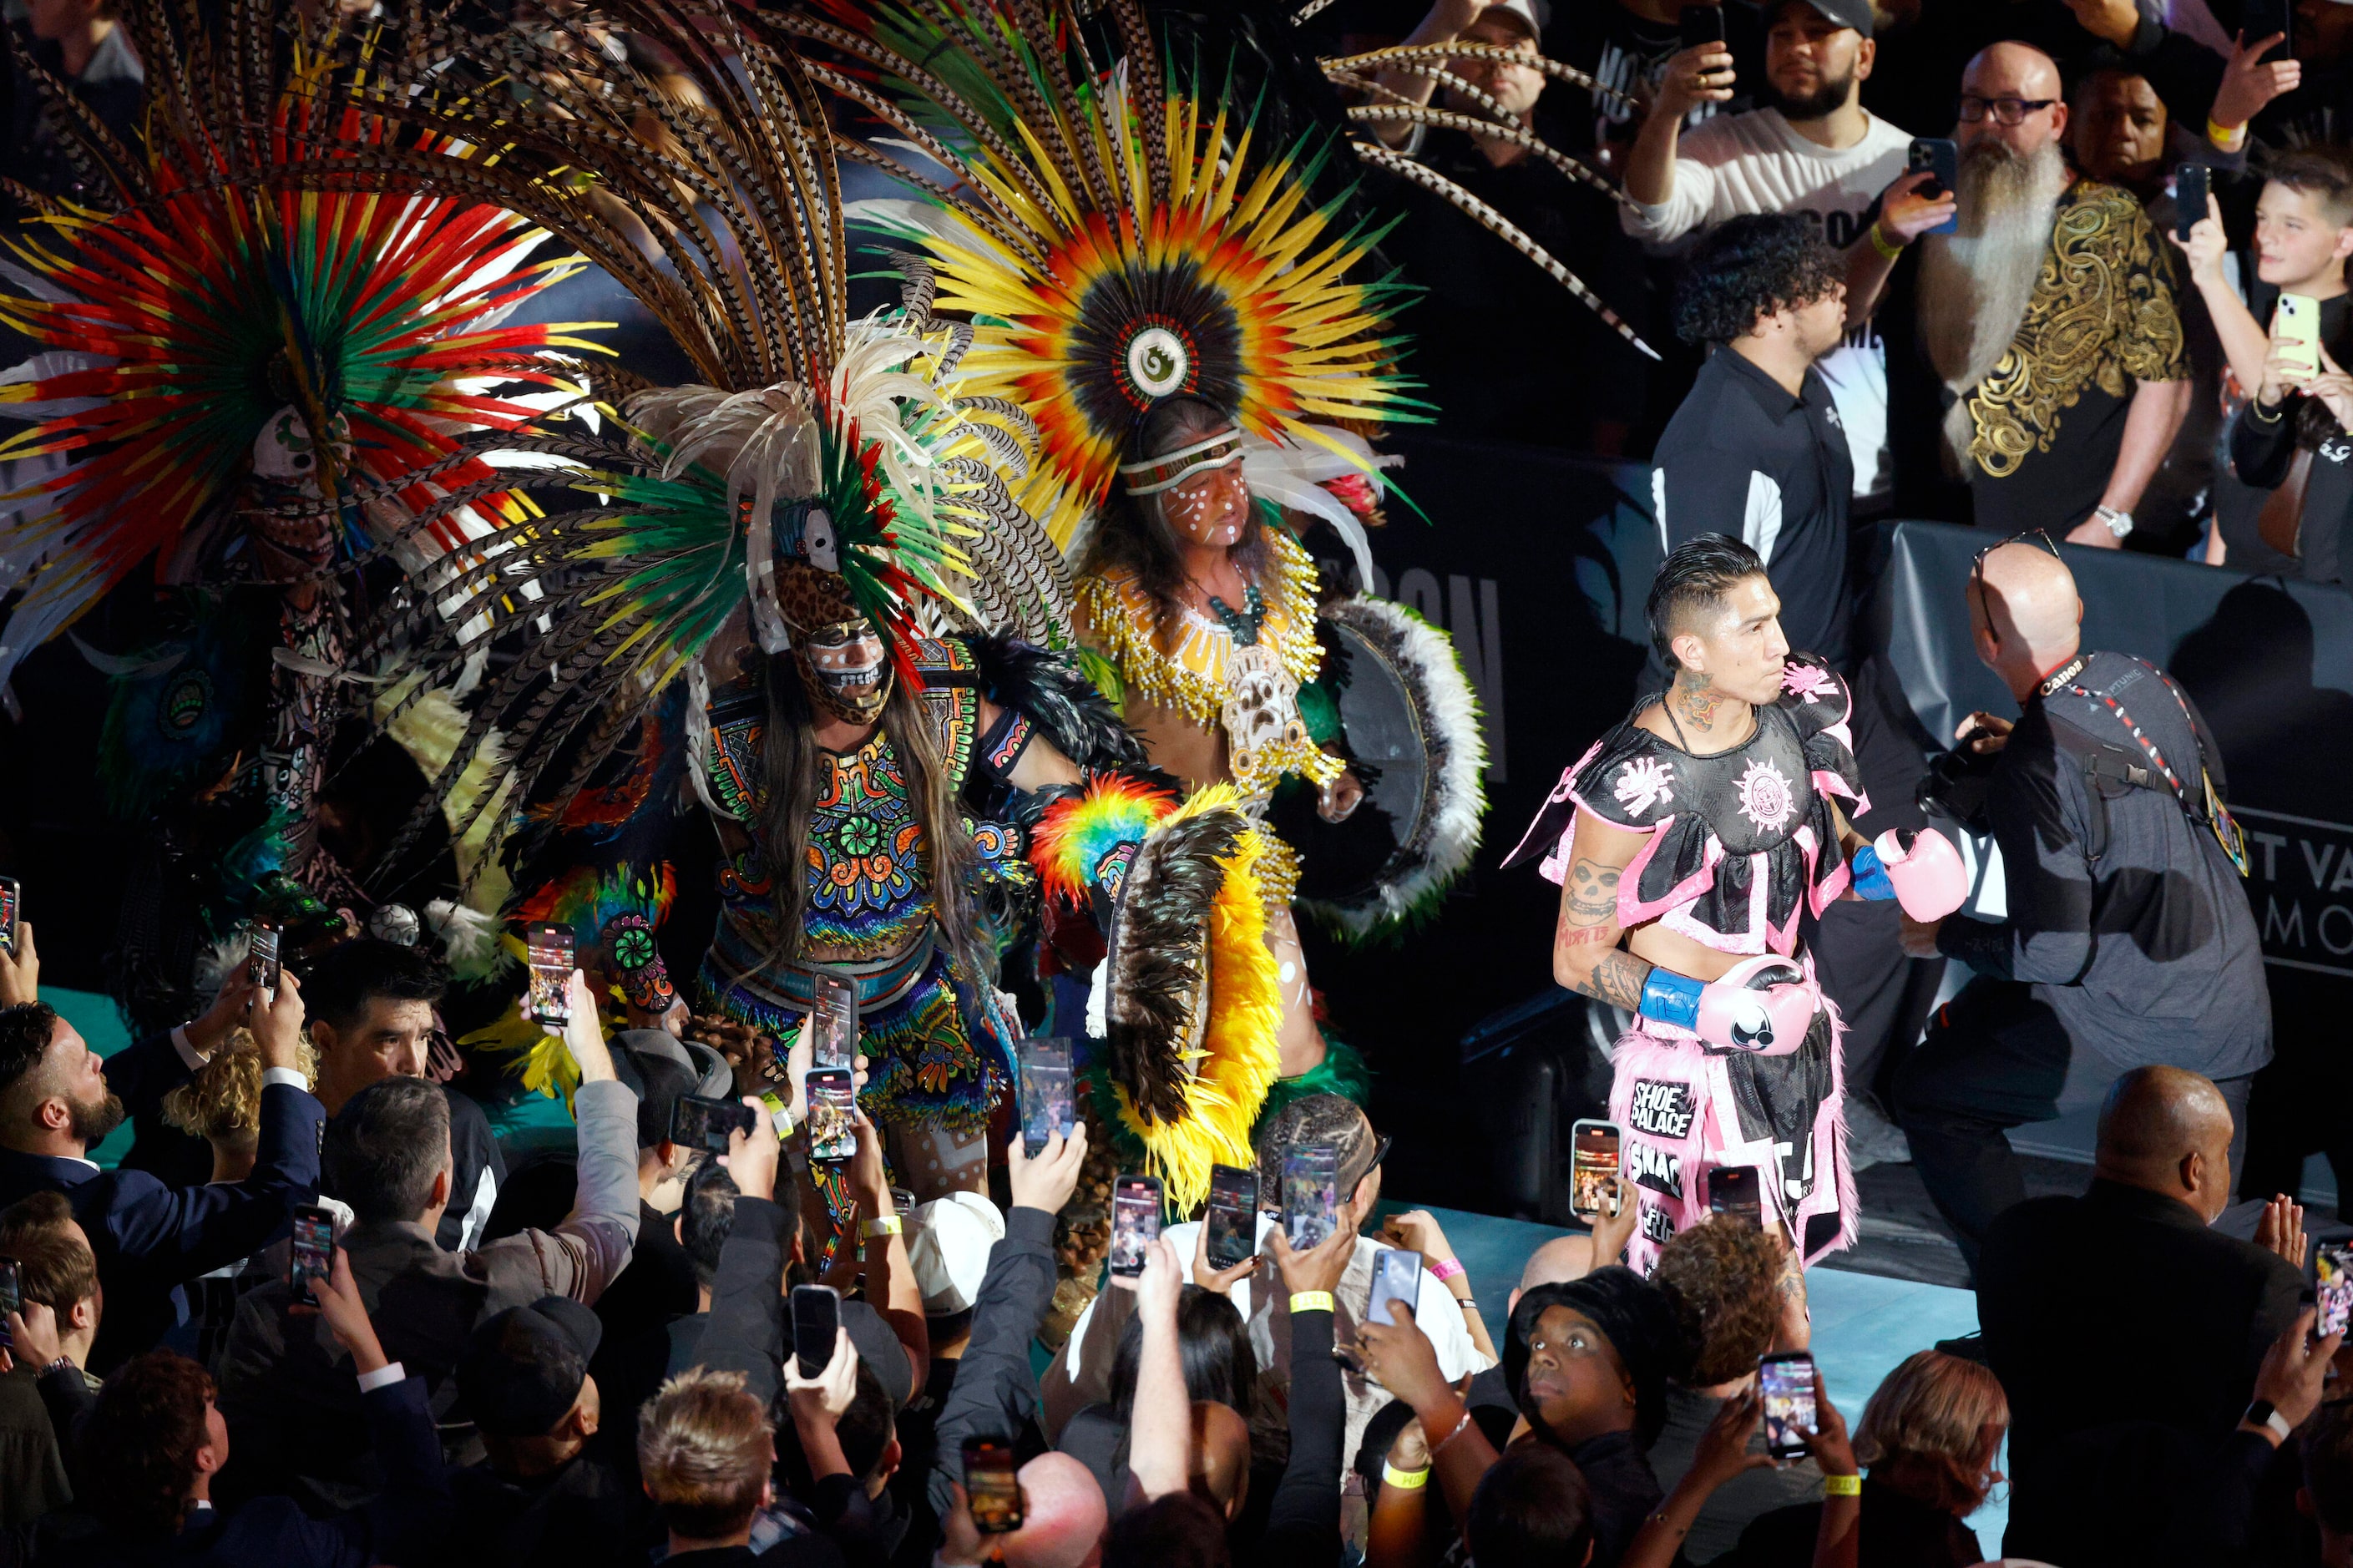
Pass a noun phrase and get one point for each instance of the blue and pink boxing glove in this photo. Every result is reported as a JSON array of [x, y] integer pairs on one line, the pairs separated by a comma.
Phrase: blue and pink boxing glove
[[1921, 871]]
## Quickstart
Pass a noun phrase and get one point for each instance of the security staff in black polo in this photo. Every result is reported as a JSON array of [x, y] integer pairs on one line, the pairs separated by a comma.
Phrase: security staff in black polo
[[2129, 933], [1755, 450]]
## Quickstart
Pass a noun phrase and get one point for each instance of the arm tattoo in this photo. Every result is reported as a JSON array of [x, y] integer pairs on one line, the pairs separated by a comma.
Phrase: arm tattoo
[[1617, 979], [1590, 894]]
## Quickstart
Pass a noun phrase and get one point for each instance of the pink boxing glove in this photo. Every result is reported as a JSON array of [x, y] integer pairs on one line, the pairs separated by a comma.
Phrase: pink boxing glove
[[1929, 879], [1762, 1004]]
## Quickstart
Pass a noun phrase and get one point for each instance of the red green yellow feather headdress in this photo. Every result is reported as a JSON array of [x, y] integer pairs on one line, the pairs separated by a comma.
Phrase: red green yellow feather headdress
[[232, 286]]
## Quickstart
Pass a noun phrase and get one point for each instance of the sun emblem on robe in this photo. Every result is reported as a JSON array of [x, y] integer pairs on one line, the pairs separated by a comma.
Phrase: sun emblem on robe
[[1766, 798]]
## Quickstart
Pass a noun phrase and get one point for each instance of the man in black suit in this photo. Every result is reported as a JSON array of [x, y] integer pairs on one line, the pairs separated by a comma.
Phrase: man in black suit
[[287, 1387], [55, 1100], [2127, 1331]]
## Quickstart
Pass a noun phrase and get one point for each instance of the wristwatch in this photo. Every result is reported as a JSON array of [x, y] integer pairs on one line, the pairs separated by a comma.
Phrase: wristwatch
[[2261, 1413], [2120, 523]]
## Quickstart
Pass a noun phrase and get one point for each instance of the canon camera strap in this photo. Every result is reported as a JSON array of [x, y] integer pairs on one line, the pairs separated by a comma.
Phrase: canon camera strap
[[2216, 816]]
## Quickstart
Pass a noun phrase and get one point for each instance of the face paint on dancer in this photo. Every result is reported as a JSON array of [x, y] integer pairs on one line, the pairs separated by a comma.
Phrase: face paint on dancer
[[845, 670], [1204, 500]]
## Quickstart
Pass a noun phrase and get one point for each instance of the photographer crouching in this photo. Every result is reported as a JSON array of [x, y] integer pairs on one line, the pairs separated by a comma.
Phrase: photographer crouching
[[2127, 931]]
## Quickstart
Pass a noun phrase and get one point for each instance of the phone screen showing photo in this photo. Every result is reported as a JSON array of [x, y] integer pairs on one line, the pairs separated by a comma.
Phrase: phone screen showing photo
[[1134, 1222], [1042, 1089], [1311, 1194], [549, 951], [833, 1023], [832, 1121], [2332, 1267], [12, 1299], [314, 1255], [1785, 1384], [1592, 1160], [1233, 1217], [261, 957], [1397, 1276], [991, 1486], [10, 894]]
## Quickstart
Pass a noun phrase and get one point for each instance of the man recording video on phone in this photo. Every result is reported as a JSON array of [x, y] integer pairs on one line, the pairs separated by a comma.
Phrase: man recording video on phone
[[2127, 931]]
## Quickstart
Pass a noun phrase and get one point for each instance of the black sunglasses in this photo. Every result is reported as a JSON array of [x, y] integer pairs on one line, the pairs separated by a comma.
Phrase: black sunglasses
[[1976, 567]]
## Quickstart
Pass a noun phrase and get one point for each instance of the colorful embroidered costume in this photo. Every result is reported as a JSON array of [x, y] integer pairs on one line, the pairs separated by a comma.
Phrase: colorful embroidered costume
[[1740, 845], [939, 1050]]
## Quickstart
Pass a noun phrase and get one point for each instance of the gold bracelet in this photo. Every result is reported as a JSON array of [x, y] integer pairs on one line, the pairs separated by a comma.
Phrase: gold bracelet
[[1842, 1486], [1405, 1480], [1879, 243], [2256, 412], [1311, 1301]]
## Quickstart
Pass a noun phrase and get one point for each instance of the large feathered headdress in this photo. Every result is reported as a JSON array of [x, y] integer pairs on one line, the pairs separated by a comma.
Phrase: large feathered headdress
[[689, 156], [1114, 238], [242, 300]]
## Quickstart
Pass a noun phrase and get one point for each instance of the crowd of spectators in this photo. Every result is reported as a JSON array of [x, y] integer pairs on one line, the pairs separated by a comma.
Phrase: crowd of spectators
[[610, 1372], [592, 1358], [2070, 356]]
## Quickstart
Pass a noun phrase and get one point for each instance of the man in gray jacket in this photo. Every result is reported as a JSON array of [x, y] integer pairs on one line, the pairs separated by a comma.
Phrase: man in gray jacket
[[283, 1382]]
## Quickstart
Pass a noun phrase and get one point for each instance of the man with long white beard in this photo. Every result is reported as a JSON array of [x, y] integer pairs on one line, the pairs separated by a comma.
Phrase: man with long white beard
[[2048, 319]]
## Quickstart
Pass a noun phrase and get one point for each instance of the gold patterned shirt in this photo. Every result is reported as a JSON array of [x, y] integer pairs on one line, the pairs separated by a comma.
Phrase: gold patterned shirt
[[2102, 316]]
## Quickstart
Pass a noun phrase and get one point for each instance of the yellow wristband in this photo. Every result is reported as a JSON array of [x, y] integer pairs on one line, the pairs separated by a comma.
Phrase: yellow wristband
[[1406, 1480], [1842, 1486], [1879, 242], [2226, 137], [882, 1225], [1311, 1300]]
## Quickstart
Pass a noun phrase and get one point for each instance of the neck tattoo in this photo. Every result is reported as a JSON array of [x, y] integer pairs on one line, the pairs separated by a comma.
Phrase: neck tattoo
[[1697, 699]]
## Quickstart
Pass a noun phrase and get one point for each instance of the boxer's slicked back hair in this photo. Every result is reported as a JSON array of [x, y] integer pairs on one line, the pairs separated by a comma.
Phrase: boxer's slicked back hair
[[1695, 575]]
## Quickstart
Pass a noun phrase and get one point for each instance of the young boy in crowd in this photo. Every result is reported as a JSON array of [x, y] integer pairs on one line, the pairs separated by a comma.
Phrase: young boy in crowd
[[2303, 234]]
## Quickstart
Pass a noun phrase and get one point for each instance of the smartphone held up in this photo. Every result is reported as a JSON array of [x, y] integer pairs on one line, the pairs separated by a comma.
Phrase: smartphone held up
[[1786, 1384], [1233, 1217], [1940, 156], [1042, 1090], [1594, 1149], [547, 949], [833, 1023], [1134, 1222], [832, 1115], [699, 1123], [992, 1487], [816, 1323], [1732, 1191], [1311, 1194], [313, 1256]]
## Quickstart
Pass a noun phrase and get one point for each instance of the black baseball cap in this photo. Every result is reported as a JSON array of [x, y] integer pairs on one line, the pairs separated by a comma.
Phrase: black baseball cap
[[523, 1369], [1855, 14]]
